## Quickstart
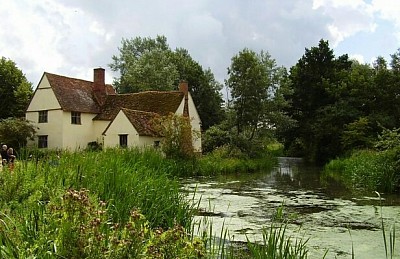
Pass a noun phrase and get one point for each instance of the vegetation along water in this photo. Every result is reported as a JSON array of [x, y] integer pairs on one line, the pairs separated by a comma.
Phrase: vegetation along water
[[330, 110]]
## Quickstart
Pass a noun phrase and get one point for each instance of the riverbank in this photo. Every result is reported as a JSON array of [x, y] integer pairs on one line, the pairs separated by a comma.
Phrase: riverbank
[[52, 202], [368, 170], [86, 204]]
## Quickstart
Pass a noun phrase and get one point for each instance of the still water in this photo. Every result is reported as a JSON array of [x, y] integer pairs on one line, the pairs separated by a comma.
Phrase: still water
[[318, 209]]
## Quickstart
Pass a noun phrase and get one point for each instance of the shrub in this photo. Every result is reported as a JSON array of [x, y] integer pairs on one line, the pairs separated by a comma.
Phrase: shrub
[[78, 225], [177, 139]]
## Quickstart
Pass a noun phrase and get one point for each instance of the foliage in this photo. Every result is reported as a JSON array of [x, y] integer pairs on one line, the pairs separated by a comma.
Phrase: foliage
[[248, 82], [388, 139], [339, 105], [15, 90], [229, 159], [177, 139], [79, 226], [15, 132], [368, 170], [215, 137], [355, 135], [150, 64], [316, 82], [203, 86], [133, 70], [256, 111]]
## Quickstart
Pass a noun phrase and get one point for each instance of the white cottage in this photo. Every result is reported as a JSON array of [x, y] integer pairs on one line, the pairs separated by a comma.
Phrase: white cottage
[[70, 113]]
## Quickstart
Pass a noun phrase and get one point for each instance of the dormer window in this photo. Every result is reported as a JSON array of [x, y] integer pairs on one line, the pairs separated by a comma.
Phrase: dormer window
[[75, 118], [42, 117]]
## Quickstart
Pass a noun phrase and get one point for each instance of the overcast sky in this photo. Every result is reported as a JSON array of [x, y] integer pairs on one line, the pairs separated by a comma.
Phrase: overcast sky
[[71, 37]]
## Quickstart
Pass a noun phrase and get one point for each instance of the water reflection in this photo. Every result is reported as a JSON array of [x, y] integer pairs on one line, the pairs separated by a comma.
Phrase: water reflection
[[323, 208]]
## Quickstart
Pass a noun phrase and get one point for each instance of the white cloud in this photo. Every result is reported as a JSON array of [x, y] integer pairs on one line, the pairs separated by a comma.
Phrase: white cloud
[[358, 57], [389, 10], [71, 37], [47, 36], [347, 17]]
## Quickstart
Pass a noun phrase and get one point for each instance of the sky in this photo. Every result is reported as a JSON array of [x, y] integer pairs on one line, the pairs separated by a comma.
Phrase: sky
[[72, 37]]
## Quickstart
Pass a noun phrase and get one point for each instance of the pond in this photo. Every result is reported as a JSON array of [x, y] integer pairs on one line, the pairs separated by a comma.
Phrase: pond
[[318, 209]]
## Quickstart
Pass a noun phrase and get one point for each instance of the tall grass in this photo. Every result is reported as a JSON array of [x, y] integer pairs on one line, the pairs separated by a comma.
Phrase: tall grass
[[389, 245], [33, 200], [277, 245], [37, 220], [368, 170], [221, 162], [125, 178]]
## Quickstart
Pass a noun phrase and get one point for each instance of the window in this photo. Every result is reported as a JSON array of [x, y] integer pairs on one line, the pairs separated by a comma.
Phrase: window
[[42, 116], [75, 118], [123, 140], [42, 141]]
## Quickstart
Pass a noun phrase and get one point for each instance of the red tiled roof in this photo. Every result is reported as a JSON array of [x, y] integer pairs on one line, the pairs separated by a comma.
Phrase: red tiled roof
[[142, 121], [75, 94], [158, 102]]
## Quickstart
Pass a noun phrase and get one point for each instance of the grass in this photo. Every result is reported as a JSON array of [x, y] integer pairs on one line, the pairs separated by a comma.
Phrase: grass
[[367, 170], [388, 244], [36, 220], [277, 245], [85, 204], [125, 178]]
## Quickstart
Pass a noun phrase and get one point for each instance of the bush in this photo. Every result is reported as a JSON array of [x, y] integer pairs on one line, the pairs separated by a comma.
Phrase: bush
[[78, 225]]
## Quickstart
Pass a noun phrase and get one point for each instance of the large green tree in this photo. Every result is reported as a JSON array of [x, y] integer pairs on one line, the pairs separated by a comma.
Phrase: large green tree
[[256, 85], [340, 105], [15, 90], [150, 64], [317, 83], [248, 84]]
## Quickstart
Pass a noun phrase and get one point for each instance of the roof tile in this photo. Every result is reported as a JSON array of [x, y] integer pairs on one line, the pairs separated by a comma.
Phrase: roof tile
[[159, 102], [75, 94], [143, 122]]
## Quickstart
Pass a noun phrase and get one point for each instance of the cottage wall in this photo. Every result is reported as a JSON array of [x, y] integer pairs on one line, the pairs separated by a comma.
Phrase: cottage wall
[[77, 136], [120, 125], [53, 128], [44, 98], [194, 121]]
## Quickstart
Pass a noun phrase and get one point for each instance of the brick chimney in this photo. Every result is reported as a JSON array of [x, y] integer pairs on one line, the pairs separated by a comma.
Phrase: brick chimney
[[99, 85], [184, 88]]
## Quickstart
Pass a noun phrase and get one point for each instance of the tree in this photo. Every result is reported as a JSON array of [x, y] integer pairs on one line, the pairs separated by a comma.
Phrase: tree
[[204, 88], [248, 83], [150, 64], [257, 85], [15, 90], [318, 83], [15, 132], [144, 63]]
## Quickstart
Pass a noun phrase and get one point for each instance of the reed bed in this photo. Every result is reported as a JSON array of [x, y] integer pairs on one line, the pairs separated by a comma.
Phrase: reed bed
[[117, 203], [37, 221], [368, 170]]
